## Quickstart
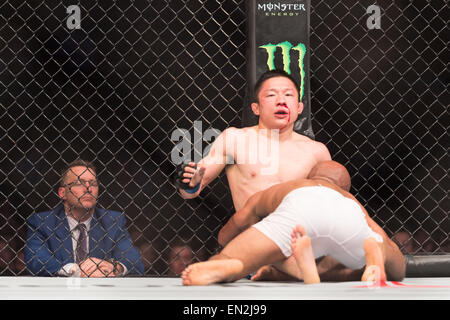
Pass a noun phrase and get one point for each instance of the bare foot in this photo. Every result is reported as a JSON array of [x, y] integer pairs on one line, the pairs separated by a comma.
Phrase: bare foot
[[302, 251], [264, 273], [271, 273], [213, 271], [374, 271]]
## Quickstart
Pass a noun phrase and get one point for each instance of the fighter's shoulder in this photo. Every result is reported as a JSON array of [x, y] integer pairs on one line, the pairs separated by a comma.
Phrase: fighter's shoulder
[[302, 139], [312, 145], [238, 132], [230, 130]]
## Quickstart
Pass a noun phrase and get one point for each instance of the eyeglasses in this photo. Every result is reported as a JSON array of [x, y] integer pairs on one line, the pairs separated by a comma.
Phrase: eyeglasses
[[82, 183]]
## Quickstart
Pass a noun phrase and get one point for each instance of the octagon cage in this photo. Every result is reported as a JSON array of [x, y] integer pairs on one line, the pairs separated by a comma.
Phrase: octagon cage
[[113, 86]]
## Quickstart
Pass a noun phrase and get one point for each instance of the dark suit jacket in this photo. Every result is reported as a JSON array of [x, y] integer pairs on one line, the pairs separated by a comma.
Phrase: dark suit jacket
[[49, 242]]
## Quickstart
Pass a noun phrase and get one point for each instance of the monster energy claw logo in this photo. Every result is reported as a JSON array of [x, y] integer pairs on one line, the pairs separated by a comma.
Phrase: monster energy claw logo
[[286, 48]]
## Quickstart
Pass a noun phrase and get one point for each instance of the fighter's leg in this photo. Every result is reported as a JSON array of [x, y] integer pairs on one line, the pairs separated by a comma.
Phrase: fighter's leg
[[304, 256], [240, 257], [285, 270], [300, 266], [375, 259], [395, 263], [329, 269]]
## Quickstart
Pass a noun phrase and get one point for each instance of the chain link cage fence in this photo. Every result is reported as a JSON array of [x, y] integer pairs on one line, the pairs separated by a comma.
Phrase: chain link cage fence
[[113, 91]]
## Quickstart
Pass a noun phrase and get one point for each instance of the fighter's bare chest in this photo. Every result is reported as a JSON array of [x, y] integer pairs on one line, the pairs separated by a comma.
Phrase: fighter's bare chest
[[278, 167]]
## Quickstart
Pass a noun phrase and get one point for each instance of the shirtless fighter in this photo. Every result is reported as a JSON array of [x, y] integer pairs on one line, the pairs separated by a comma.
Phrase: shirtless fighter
[[328, 218], [276, 102], [250, 169]]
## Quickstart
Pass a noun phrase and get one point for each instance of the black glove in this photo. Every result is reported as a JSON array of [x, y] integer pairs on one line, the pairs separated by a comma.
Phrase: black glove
[[179, 176]]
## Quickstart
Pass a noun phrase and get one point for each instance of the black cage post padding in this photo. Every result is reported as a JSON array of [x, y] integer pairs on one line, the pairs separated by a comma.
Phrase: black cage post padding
[[419, 266], [278, 38]]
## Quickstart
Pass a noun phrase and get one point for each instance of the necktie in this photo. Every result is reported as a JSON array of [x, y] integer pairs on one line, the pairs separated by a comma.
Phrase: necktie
[[81, 250]]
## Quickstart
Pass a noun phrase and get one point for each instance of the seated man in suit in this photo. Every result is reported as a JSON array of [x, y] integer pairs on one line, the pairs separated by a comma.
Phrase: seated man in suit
[[76, 238]]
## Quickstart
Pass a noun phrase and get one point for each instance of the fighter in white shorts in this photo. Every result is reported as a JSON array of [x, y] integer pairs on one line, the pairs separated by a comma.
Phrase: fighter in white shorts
[[335, 224], [331, 222]]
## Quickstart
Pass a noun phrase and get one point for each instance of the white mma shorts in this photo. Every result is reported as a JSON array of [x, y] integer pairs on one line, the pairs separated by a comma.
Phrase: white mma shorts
[[336, 225]]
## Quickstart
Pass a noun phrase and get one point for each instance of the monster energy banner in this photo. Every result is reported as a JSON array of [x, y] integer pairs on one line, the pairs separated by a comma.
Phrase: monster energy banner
[[278, 38]]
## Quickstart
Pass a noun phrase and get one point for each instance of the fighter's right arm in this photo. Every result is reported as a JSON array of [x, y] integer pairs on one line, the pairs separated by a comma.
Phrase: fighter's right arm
[[266, 201], [257, 207], [220, 154]]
